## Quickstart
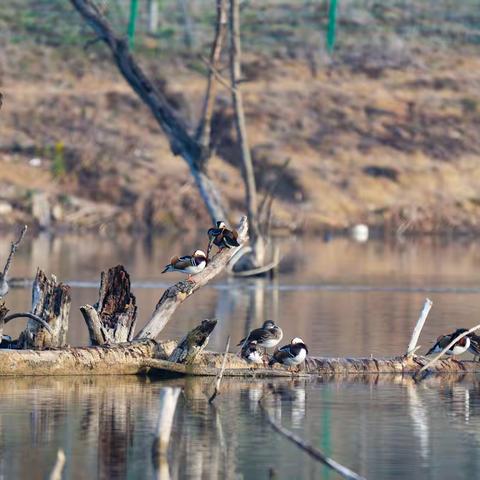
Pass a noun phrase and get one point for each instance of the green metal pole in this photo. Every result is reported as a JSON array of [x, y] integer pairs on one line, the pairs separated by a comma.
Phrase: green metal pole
[[332, 25], [132, 21]]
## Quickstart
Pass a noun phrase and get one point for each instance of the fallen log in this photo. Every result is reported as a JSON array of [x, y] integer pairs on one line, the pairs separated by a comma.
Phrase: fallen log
[[149, 357]]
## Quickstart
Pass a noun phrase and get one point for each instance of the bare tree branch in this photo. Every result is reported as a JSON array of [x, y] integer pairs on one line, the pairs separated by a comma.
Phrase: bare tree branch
[[256, 240], [4, 287], [13, 250], [181, 142], [204, 126]]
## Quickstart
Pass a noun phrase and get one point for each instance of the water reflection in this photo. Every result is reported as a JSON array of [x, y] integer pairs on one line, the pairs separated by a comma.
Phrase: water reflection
[[381, 426]]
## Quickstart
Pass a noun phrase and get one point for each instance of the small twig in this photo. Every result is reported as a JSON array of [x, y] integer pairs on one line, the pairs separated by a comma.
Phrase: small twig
[[308, 448], [42, 322], [220, 375], [450, 345], [13, 250], [217, 74], [58, 467], [418, 328]]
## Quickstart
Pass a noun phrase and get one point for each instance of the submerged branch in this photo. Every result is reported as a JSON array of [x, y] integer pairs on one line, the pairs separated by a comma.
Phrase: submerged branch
[[220, 375], [308, 448]]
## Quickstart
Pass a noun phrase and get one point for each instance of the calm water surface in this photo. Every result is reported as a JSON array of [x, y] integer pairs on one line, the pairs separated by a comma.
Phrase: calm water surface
[[342, 297]]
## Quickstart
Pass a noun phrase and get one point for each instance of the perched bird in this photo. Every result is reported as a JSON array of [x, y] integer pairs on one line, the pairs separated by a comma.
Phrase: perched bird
[[191, 264], [443, 340], [251, 353], [290, 355], [222, 237], [268, 336]]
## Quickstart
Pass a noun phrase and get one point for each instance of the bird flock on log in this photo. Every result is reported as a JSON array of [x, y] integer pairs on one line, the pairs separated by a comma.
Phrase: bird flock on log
[[269, 335]]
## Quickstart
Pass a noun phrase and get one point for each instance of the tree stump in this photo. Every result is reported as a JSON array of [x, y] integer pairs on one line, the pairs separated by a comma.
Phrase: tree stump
[[51, 302], [193, 343], [112, 319]]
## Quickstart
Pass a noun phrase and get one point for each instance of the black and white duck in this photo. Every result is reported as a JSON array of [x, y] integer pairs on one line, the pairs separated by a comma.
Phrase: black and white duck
[[291, 355]]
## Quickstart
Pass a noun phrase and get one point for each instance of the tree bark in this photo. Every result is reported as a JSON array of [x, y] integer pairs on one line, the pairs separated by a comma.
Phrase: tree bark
[[112, 319], [256, 241], [51, 302]]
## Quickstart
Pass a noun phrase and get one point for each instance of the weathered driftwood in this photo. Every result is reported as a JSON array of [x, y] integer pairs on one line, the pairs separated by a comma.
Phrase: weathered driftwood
[[122, 359], [412, 345], [150, 357], [112, 319], [209, 364], [178, 293], [193, 343], [51, 302]]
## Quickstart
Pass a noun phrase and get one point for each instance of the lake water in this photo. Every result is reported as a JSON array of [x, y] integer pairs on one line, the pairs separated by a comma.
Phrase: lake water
[[343, 298]]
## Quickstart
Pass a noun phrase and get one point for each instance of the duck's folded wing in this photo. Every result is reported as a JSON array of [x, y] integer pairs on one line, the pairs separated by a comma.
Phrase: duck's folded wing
[[282, 354], [182, 262]]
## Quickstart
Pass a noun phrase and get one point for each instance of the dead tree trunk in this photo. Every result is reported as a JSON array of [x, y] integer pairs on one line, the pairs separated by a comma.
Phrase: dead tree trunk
[[51, 302], [256, 240], [112, 319], [181, 141]]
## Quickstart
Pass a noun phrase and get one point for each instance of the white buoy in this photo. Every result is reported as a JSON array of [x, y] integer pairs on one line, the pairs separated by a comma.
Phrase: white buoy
[[359, 232]]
